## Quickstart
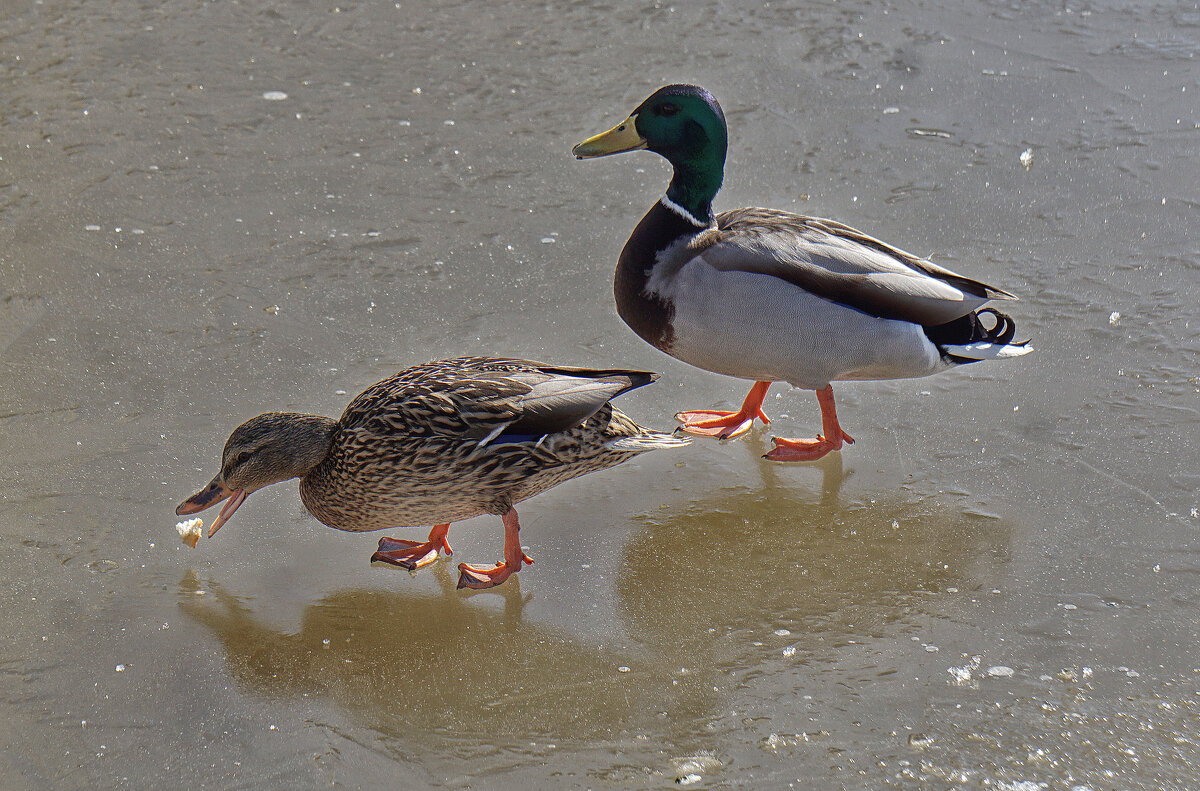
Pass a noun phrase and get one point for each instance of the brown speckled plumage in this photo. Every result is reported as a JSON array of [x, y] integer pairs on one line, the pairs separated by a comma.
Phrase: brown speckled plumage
[[439, 442], [407, 450]]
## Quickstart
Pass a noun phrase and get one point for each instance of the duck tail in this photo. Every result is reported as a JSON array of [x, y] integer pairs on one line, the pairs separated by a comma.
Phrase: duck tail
[[650, 440], [967, 340]]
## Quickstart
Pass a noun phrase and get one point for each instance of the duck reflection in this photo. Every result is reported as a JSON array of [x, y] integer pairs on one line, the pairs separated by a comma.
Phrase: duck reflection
[[733, 568], [424, 667], [704, 587]]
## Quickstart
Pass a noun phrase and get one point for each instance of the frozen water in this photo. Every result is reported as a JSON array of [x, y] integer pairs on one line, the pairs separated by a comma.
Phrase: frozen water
[[388, 237]]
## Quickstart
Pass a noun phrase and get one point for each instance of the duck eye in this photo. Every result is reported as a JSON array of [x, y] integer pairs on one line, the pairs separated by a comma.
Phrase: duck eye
[[668, 109], [242, 458]]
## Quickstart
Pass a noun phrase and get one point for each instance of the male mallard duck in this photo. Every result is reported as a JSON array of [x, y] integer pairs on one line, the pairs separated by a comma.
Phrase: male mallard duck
[[771, 296], [434, 444]]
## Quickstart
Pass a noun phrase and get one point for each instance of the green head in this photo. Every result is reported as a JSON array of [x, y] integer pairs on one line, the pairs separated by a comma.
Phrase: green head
[[684, 124]]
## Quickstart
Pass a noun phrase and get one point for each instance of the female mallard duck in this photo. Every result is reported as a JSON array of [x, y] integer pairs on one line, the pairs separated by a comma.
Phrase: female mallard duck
[[437, 443], [772, 296]]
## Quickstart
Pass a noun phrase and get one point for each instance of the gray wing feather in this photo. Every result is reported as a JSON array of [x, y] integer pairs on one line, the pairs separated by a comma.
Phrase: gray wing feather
[[558, 403], [479, 398], [839, 263]]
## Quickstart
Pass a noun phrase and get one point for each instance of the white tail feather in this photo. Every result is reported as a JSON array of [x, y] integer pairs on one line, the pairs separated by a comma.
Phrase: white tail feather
[[645, 443], [988, 351]]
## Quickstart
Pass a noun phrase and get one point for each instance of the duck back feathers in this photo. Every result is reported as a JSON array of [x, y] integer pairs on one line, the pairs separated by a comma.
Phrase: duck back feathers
[[456, 438]]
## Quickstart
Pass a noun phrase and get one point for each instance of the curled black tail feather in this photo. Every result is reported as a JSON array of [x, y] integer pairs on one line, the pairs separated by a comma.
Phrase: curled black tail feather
[[969, 329], [1004, 330]]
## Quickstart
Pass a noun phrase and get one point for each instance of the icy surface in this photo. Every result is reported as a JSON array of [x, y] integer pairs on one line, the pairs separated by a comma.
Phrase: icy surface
[[212, 210]]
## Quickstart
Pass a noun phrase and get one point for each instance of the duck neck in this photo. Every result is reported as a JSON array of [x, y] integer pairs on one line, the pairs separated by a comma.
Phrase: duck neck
[[311, 439], [693, 186]]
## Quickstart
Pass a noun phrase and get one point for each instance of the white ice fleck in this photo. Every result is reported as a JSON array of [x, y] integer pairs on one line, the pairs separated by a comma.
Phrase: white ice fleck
[[91, 227], [1000, 671], [789, 651], [891, 110], [548, 240], [275, 96], [961, 676], [119, 668], [693, 766], [623, 669], [1027, 158], [782, 632], [1068, 606], [1114, 317]]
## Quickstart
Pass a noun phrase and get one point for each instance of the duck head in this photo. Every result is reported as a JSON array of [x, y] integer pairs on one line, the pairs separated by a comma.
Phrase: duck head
[[267, 449], [684, 124]]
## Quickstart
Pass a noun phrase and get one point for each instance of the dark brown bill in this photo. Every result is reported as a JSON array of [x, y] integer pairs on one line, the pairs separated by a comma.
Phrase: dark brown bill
[[207, 497], [210, 495]]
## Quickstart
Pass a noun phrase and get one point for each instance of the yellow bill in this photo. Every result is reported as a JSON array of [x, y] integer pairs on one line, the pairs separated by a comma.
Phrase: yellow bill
[[622, 137]]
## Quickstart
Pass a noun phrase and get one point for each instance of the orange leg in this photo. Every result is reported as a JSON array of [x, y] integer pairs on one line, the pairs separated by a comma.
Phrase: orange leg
[[727, 425], [481, 578], [813, 449], [412, 555]]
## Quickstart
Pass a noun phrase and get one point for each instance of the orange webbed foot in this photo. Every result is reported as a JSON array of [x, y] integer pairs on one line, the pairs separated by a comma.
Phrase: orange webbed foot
[[481, 578], [711, 423], [805, 449], [726, 425], [813, 449], [413, 555]]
